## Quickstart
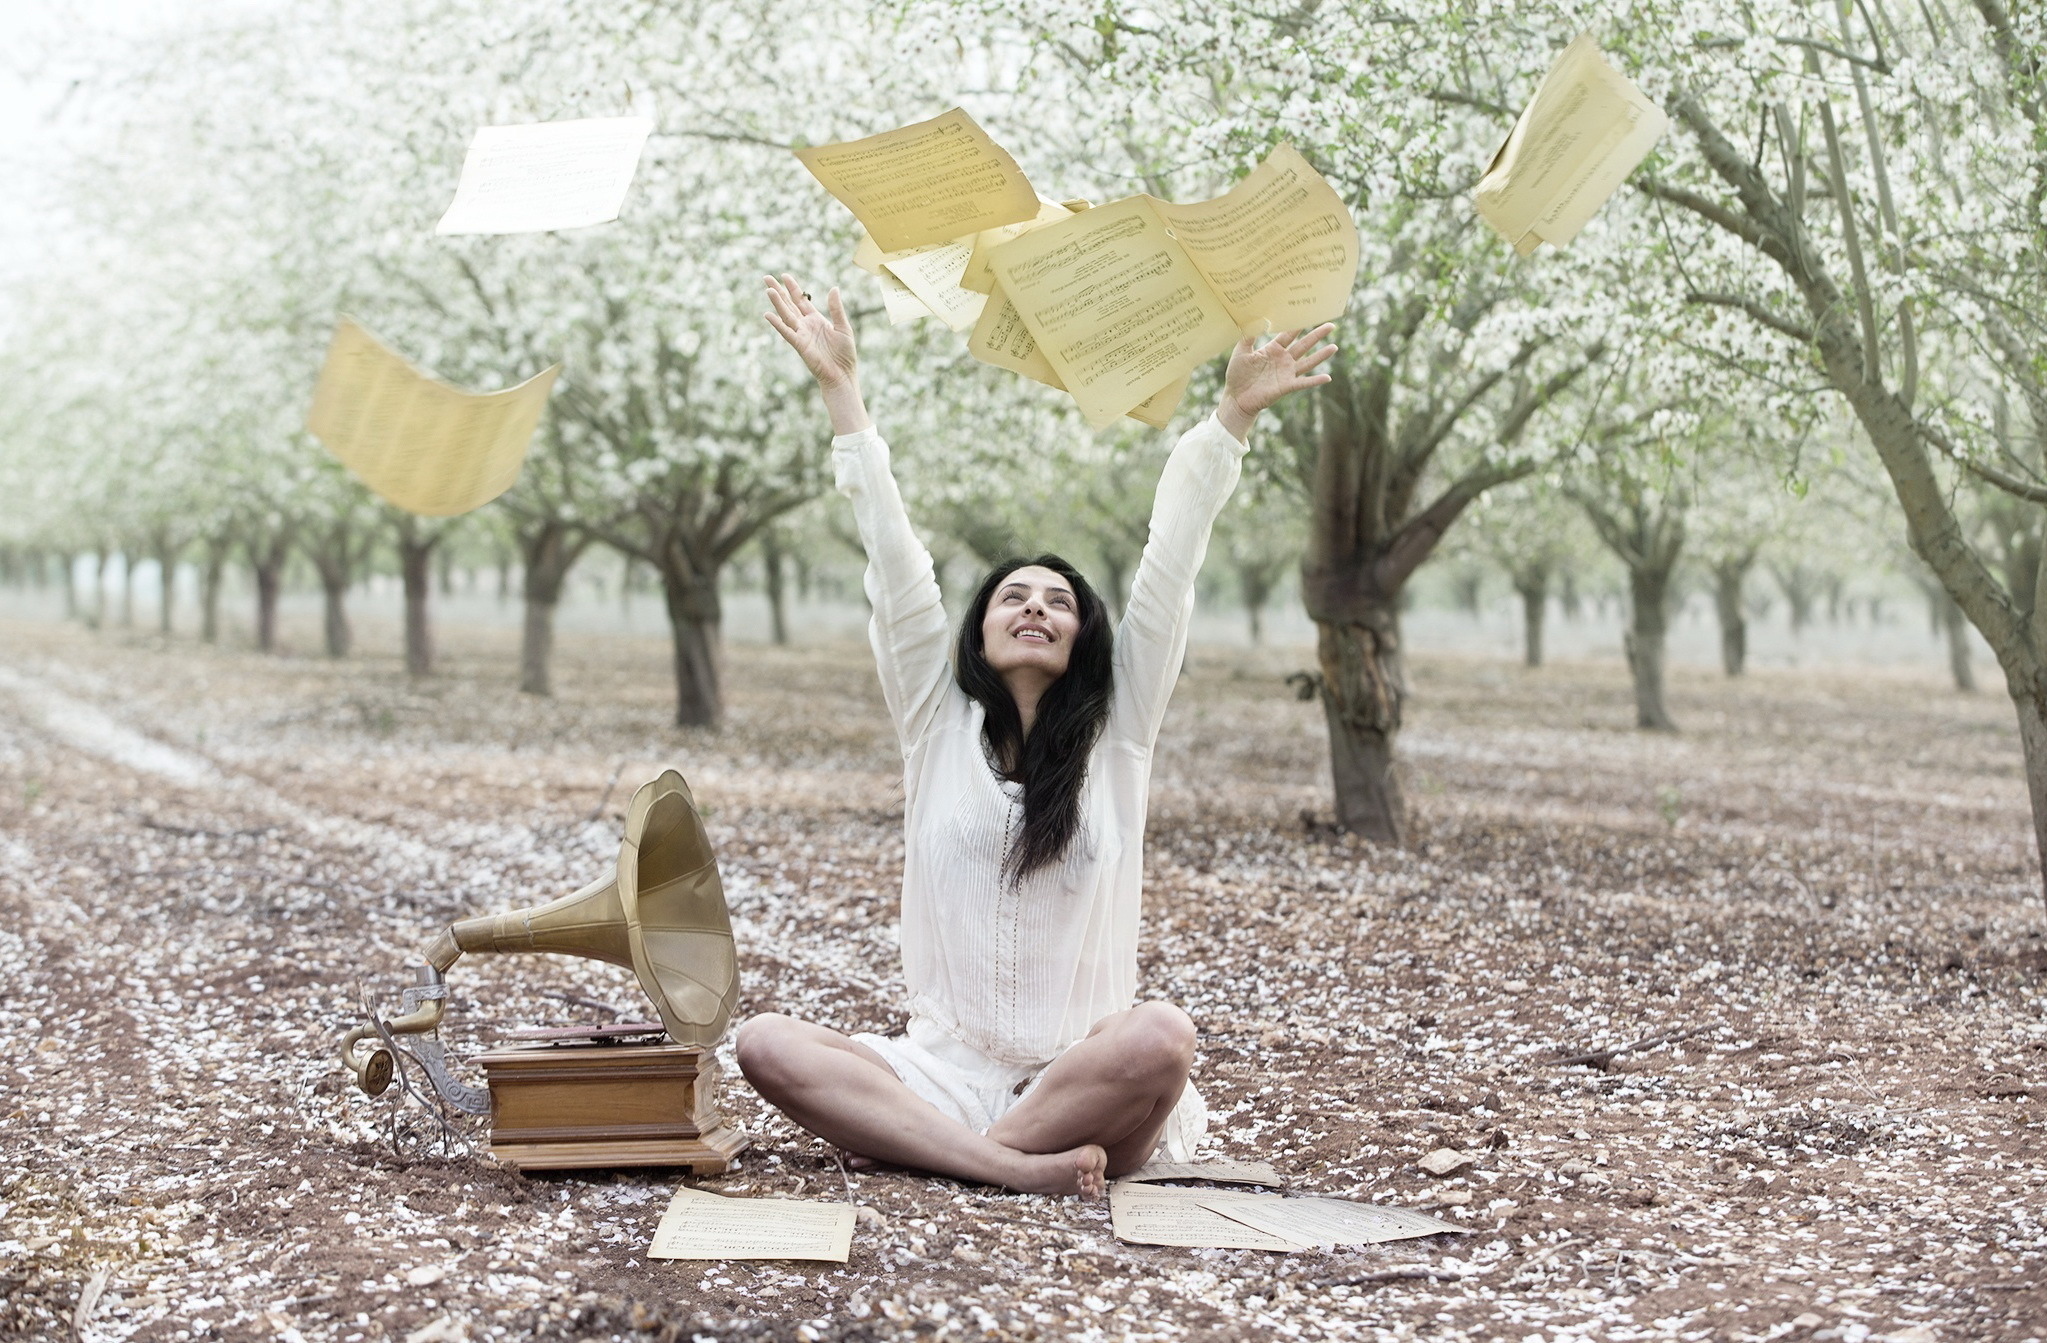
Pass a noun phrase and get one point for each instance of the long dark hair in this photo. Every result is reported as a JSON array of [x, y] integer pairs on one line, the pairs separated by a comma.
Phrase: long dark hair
[[1051, 763]]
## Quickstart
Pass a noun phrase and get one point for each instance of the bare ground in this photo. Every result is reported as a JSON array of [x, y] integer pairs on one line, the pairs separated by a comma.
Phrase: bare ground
[[1821, 894]]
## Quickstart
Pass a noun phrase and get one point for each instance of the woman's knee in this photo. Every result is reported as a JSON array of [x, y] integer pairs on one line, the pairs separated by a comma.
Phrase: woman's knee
[[1160, 1039], [764, 1047]]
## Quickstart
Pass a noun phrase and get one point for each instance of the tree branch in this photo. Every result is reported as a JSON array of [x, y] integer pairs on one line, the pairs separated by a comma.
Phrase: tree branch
[[1785, 325]]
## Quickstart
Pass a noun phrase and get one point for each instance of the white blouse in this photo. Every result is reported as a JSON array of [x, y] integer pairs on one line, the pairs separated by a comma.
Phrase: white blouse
[[1021, 971]]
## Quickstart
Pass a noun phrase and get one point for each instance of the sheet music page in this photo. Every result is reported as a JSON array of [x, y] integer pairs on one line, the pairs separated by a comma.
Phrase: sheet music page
[[933, 275], [1279, 246], [546, 176], [1222, 1172], [1114, 304], [930, 182], [702, 1225], [979, 276], [1585, 130], [1326, 1222], [1151, 1214], [898, 302], [427, 447], [1000, 338]]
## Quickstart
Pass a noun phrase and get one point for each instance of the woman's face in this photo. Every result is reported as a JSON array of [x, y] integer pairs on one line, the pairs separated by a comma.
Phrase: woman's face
[[1030, 624]]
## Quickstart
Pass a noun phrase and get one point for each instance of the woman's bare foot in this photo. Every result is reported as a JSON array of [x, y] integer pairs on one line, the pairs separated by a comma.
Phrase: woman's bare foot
[[1079, 1170]]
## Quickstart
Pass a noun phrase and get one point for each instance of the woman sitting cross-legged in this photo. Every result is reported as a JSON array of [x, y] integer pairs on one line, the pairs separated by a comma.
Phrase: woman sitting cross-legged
[[1026, 760]]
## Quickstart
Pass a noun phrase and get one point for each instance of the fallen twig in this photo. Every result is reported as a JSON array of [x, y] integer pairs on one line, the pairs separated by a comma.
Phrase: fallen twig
[[580, 1001], [1599, 1058], [598, 810], [1405, 1273], [88, 1301]]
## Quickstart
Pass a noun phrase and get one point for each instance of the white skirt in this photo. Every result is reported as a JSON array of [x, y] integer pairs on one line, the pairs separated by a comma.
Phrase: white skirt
[[967, 1085]]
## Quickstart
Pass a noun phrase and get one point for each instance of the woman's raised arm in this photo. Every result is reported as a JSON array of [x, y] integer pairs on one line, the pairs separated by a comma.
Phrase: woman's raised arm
[[826, 347], [909, 629], [1197, 481]]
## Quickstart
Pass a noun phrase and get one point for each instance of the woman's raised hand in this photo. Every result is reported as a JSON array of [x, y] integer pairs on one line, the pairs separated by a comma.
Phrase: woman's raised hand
[[826, 343], [1259, 375]]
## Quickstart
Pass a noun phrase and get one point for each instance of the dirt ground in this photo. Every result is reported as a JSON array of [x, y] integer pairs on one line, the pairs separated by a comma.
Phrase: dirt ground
[[1820, 897]]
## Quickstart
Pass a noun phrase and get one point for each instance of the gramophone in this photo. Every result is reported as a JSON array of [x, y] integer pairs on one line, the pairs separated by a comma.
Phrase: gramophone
[[660, 913]]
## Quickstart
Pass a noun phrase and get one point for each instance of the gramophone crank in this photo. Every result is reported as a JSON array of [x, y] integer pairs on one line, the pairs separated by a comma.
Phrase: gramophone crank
[[660, 913]]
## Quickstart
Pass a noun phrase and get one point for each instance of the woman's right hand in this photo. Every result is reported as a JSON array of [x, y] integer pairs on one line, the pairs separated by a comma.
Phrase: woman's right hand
[[825, 343]]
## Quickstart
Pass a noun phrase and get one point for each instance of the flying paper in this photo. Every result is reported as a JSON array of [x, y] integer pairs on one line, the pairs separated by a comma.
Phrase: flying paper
[[1575, 143], [546, 176], [1125, 299], [931, 182], [427, 447]]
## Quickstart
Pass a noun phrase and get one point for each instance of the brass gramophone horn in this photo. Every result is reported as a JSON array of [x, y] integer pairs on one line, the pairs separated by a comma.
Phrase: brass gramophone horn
[[661, 913]]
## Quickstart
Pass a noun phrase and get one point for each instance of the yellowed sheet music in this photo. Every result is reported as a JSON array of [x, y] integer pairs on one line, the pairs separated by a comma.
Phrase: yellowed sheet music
[[1585, 130], [427, 447], [933, 275], [703, 1225], [926, 183], [1279, 246], [1326, 1222], [1000, 338], [1152, 1214], [1222, 1172], [979, 276], [1115, 304]]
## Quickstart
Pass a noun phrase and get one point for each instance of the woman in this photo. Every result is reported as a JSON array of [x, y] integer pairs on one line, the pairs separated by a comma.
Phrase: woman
[[1026, 767]]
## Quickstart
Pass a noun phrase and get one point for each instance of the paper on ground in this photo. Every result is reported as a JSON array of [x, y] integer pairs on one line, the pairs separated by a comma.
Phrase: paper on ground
[[545, 176], [703, 1225], [427, 447], [1570, 150], [1325, 1222], [1222, 1172], [930, 182], [1150, 1214], [1127, 298]]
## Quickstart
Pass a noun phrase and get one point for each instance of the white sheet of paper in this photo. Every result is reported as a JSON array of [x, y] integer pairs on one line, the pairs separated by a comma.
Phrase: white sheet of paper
[[933, 275], [899, 302], [1151, 1214], [1222, 1172], [703, 1225], [547, 175], [1326, 1222]]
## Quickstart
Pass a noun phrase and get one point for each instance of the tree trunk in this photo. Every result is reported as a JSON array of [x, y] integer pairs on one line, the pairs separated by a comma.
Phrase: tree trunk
[[774, 580], [127, 590], [1569, 599], [209, 590], [1728, 597], [70, 576], [415, 565], [694, 619], [548, 552], [268, 563], [1255, 582], [1533, 586], [1364, 688], [1649, 591], [334, 578], [1956, 626], [167, 586]]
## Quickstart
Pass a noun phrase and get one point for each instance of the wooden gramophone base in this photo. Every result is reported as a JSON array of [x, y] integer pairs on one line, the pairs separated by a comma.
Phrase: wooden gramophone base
[[564, 1107]]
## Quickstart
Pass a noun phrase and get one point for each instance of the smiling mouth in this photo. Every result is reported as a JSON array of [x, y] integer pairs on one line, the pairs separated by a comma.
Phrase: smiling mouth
[[1033, 634]]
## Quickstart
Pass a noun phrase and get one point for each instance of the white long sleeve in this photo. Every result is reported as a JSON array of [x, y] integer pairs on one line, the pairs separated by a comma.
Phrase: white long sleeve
[[1022, 970]]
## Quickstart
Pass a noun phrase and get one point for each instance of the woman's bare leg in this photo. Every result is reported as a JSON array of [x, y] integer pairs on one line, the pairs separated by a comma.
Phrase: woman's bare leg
[[846, 1094], [1116, 1088]]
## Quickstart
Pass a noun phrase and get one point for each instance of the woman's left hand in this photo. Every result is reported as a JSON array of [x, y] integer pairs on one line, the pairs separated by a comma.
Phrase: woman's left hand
[[1260, 375]]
